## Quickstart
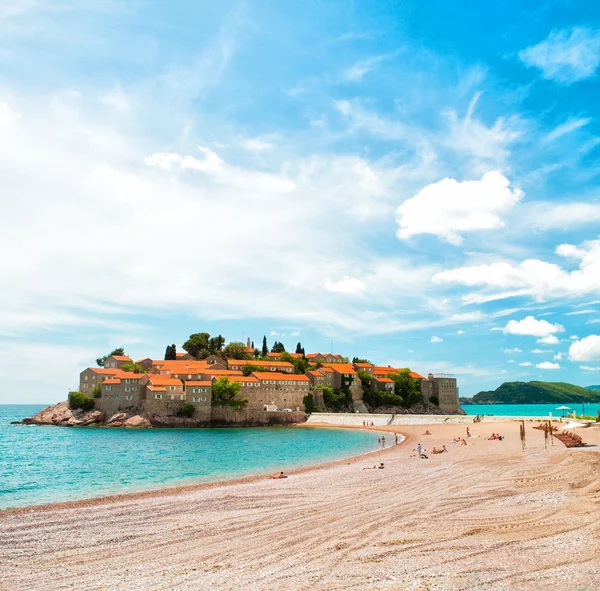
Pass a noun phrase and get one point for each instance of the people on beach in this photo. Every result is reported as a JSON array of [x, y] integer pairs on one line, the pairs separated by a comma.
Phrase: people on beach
[[435, 450], [380, 467], [383, 442], [463, 442], [468, 432], [495, 436], [428, 432], [444, 450], [278, 476], [395, 438]]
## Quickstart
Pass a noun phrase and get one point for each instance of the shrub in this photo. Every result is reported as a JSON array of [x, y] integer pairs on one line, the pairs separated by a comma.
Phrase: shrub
[[80, 400], [187, 410], [434, 400], [97, 391]]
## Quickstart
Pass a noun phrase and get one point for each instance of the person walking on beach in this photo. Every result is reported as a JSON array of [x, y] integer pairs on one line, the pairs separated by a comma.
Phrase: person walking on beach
[[395, 438], [468, 432], [382, 442]]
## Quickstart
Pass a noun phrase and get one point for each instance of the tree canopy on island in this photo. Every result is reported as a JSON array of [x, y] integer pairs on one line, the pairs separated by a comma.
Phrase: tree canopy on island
[[277, 347], [200, 345], [536, 393], [102, 360], [224, 393], [235, 350], [171, 353]]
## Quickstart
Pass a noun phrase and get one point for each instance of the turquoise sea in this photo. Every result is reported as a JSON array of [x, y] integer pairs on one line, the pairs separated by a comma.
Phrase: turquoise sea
[[528, 410], [51, 464]]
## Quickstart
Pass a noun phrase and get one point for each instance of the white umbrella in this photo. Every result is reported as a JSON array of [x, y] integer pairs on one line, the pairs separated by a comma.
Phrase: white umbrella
[[563, 408]]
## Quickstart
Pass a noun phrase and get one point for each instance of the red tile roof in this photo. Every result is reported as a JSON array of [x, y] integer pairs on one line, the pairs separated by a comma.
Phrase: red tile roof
[[157, 388], [164, 381], [263, 362], [193, 383], [121, 357], [111, 381], [364, 365], [104, 370], [275, 375], [249, 378]]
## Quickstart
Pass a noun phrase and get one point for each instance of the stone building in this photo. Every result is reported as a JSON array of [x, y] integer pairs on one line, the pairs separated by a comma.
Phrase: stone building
[[444, 387]]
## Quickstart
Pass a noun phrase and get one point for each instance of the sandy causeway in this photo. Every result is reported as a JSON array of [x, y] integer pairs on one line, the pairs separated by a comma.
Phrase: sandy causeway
[[485, 516]]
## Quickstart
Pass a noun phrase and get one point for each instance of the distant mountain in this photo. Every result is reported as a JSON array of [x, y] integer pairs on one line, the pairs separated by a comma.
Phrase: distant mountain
[[537, 393]]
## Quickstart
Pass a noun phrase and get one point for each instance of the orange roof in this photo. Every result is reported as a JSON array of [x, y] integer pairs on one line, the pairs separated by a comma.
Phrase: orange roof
[[180, 355], [275, 375], [384, 371], [164, 381], [121, 357], [343, 368], [129, 375], [192, 383], [221, 372], [311, 355], [111, 381], [384, 380], [364, 365], [157, 388], [315, 372], [104, 370], [325, 369]]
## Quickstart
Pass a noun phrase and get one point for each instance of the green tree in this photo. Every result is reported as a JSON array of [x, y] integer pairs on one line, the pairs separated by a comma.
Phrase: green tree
[[277, 347], [224, 393], [299, 349], [133, 367], [216, 344], [407, 388], [97, 391], [309, 404], [118, 351], [80, 400], [197, 345], [336, 400], [265, 348], [170, 352], [365, 376], [300, 365], [187, 410], [235, 350], [248, 368]]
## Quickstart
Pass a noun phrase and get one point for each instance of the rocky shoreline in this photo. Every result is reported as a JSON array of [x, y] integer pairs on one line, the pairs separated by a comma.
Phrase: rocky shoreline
[[62, 416]]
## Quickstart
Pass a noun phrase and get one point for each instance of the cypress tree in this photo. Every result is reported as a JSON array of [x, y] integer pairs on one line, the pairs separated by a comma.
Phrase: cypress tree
[[299, 348], [265, 349]]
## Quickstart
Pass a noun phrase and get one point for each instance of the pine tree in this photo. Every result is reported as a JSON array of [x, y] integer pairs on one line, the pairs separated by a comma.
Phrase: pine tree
[[265, 349], [171, 352], [299, 348]]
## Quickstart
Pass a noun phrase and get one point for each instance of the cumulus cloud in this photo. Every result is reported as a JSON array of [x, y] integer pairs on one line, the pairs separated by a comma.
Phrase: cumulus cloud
[[549, 340], [530, 326], [513, 350], [547, 365], [558, 357], [449, 207], [587, 349], [526, 364], [534, 277], [460, 332], [435, 339], [539, 351], [589, 368], [566, 56]]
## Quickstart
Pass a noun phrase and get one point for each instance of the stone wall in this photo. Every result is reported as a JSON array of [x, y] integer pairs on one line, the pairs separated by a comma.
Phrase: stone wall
[[226, 416]]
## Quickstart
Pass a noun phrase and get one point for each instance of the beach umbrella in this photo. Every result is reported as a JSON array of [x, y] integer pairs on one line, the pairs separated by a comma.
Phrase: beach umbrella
[[563, 408]]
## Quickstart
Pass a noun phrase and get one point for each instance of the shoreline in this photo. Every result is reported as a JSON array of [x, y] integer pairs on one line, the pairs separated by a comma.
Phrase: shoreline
[[335, 526], [183, 488]]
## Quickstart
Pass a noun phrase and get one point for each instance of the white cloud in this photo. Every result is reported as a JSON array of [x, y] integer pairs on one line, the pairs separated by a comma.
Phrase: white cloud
[[358, 70], [435, 339], [565, 56], [510, 361], [589, 368], [578, 312], [540, 279], [547, 365], [513, 350], [526, 364], [8, 115], [539, 351], [460, 332], [572, 124], [448, 207], [549, 340], [530, 326], [256, 144], [587, 349], [574, 337], [558, 357], [350, 285]]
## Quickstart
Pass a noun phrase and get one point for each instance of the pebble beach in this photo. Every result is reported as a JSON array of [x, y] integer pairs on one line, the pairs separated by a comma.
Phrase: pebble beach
[[484, 516]]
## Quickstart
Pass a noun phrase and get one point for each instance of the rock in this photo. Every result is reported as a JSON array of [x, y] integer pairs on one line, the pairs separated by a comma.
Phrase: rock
[[93, 417], [137, 422], [117, 420], [164, 420], [58, 414]]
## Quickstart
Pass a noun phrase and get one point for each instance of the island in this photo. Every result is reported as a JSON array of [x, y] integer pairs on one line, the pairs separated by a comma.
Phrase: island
[[535, 393], [213, 383]]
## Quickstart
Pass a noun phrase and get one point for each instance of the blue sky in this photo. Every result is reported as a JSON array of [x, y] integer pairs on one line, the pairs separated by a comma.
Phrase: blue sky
[[411, 182]]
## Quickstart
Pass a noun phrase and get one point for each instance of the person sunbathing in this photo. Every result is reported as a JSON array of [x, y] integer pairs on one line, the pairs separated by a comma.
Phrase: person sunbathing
[[457, 439], [278, 476], [463, 442], [428, 432], [437, 451], [444, 450]]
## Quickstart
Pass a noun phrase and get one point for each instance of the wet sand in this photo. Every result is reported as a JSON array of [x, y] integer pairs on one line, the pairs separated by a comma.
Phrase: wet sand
[[484, 516]]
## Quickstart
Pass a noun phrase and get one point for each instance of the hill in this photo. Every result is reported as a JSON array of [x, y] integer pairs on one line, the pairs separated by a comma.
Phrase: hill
[[536, 393], [595, 388]]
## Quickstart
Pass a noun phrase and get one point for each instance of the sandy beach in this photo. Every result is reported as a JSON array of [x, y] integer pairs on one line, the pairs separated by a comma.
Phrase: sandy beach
[[484, 516]]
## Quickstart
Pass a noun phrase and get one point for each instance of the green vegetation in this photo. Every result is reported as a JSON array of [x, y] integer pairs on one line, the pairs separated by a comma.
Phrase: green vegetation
[[265, 348], [247, 368], [359, 360], [336, 400], [224, 393], [200, 345], [97, 391], [80, 400], [235, 350], [309, 404], [536, 393], [101, 360], [133, 367], [595, 388], [171, 353], [300, 350], [187, 410], [277, 347], [364, 376], [434, 400], [406, 392]]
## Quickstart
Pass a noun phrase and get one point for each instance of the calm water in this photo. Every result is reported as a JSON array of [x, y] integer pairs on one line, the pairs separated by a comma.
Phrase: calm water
[[527, 410], [50, 464]]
